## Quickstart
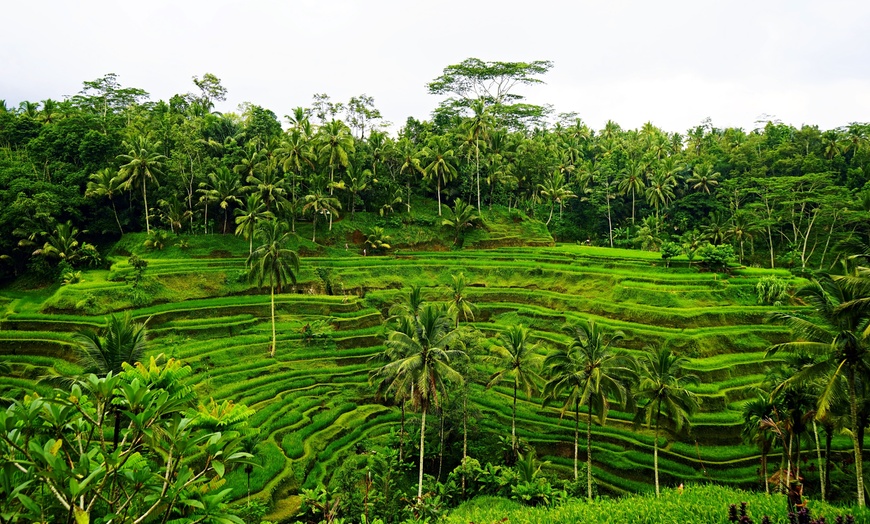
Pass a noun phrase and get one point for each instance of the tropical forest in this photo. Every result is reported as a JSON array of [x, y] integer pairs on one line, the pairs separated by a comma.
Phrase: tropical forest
[[496, 314]]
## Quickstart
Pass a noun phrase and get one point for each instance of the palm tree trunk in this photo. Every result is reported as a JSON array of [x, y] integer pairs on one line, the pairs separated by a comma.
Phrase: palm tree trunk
[[441, 443], [632, 206], [551, 214], [439, 196], [819, 454], [117, 221], [422, 444], [589, 455], [859, 466], [402, 434], [576, 433], [656, 453], [314, 228], [514, 422], [464, 437], [764, 471], [145, 199], [477, 162], [829, 436], [274, 338]]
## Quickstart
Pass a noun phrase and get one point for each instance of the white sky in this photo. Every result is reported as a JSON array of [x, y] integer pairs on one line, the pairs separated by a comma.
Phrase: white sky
[[670, 62]]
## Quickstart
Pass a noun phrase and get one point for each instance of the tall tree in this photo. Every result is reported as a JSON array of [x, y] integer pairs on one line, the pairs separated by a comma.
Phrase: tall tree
[[439, 160], [105, 183], [663, 385], [319, 203], [142, 164], [336, 144], [426, 369], [273, 262], [516, 357], [839, 336], [247, 218], [588, 372]]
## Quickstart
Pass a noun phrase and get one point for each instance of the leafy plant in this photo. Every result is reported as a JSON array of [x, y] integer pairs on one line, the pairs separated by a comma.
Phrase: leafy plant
[[771, 290], [157, 239]]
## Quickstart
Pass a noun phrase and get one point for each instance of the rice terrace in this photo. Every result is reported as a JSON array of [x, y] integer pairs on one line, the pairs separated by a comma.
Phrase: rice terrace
[[211, 317]]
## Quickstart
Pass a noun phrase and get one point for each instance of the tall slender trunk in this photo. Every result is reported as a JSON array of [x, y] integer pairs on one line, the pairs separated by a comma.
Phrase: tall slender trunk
[[514, 423], [859, 465], [764, 470], [477, 164], [656, 451], [576, 433], [589, 455], [402, 434], [464, 437], [422, 444], [117, 221], [819, 454], [145, 199], [632, 206], [274, 338], [829, 436], [441, 443], [439, 196]]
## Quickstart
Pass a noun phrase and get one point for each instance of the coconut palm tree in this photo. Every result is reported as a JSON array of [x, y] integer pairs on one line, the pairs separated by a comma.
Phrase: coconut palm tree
[[662, 383], [632, 182], [588, 372], [274, 263], [141, 165], [319, 203], [425, 369], [556, 191], [439, 159], [459, 304], [105, 183], [704, 178], [336, 144], [223, 186], [516, 358], [249, 216], [462, 216], [838, 335], [122, 341], [478, 128], [758, 417]]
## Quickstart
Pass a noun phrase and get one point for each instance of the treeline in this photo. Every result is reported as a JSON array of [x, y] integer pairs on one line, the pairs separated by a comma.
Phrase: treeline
[[77, 172]]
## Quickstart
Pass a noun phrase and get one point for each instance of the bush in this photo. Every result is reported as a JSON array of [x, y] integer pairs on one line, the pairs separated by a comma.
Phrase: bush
[[717, 258], [771, 291]]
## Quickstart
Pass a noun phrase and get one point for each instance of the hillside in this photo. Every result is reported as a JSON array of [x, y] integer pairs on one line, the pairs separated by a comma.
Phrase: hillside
[[313, 402]]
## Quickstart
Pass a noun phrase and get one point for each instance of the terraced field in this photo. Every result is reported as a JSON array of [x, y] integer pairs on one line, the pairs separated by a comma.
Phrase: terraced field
[[313, 403]]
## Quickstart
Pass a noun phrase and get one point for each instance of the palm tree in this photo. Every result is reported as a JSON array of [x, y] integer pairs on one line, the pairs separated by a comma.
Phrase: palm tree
[[839, 334], [758, 414], [663, 384], [462, 217], [411, 160], [478, 127], [122, 342], [269, 184], [223, 187], [425, 369], [297, 154], [249, 216], [141, 165], [660, 190], [336, 143], [590, 372], [320, 203], [273, 262], [556, 190], [439, 158], [516, 358], [632, 181], [703, 178], [459, 304], [104, 183]]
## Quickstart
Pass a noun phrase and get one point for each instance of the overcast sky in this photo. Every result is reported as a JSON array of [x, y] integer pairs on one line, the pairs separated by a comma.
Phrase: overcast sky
[[669, 62]]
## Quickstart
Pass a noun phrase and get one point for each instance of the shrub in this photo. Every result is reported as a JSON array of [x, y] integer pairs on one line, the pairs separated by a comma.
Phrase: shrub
[[717, 258], [771, 291]]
